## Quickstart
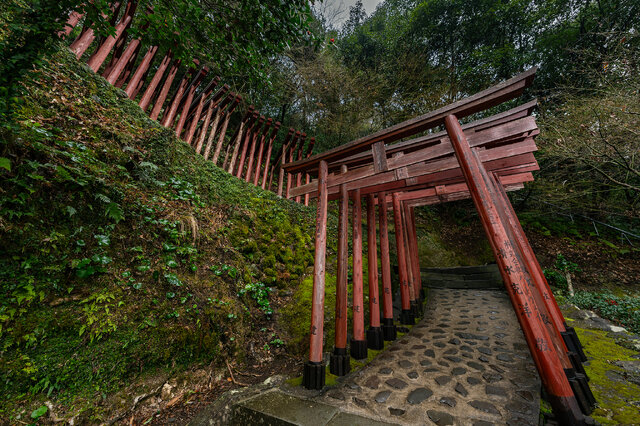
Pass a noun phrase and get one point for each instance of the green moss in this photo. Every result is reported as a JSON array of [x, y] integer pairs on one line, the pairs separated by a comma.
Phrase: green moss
[[613, 397]]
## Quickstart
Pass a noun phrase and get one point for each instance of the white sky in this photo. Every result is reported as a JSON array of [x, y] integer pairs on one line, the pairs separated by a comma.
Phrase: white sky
[[344, 5]]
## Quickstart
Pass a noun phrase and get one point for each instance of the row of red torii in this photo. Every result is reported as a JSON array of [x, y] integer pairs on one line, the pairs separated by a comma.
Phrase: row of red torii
[[481, 160], [197, 112]]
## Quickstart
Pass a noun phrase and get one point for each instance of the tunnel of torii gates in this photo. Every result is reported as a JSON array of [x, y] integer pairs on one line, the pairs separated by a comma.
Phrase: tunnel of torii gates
[[481, 160]]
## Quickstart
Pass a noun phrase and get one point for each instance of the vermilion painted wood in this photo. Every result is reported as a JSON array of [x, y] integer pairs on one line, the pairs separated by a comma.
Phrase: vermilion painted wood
[[413, 242], [385, 261], [518, 112], [307, 179], [249, 141], [290, 157], [186, 103], [408, 255], [534, 282], [492, 96], [82, 43], [128, 68], [357, 303], [400, 248], [416, 160], [299, 175], [97, 59], [245, 127], [500, 157], [137, 80], [544, 353], [269, 146], [283, 159], [267, 160], [157, 107], [372, 258], [342, 271], [259, 140], [205, 125], [170, 113], [148, 94], [317, 298], [74, 19], [191, 129], [223, 130], [113, 75]]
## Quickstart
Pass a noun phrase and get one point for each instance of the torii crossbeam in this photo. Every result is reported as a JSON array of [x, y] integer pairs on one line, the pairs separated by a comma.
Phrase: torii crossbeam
[[480, 160]]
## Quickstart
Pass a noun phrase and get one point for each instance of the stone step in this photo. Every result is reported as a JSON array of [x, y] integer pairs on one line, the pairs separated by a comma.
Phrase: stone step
[[483, 276], [464, 269], [462, 284], [280, 409]]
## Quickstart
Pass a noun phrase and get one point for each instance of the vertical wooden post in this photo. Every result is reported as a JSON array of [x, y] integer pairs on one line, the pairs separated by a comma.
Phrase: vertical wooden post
[[98, 58], [157, 106], [258, 140], [267, 160], [407, 247], [307, 178], [290, 155], [284, 158], [189, 98], [406, 315], [299, 157], [274, 132], [358, 342], [223, 130], [413, 241], [137, 81], [245, 128], [147, 96], [375, 339], [250, 139], [113, 75], [74, 19], [388, 327], [191, 130], [339, 363], [548, 361], [170, 113], [314, 371]]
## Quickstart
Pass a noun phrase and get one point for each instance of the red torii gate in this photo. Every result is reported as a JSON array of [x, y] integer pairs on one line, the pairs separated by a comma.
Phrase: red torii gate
[[480, 160]]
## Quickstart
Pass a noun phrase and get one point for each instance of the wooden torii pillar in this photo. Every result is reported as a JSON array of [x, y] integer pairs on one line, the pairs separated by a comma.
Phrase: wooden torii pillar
[[545, 354]]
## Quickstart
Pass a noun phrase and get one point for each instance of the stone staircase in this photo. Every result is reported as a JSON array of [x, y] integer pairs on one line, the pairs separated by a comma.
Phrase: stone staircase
[[463, 277]]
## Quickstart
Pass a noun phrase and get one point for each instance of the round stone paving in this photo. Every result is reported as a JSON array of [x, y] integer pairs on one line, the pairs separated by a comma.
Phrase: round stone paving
[[449, 369]]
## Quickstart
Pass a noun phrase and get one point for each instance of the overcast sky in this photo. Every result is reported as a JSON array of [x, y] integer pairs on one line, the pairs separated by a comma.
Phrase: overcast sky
[[369, 7]]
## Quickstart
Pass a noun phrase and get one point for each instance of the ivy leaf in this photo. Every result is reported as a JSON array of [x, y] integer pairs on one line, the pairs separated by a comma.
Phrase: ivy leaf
[[38, 412], [70, 210], [5, 164], [114, 211]]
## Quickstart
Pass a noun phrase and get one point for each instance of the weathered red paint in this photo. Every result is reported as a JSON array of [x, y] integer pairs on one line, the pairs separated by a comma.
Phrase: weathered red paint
[[259, 140], [186, 103], [98, 58], [223, 130], [267, 159], [74, 19], [157, 106], [400, 248], [283, 159], [250, 140], [357, 303], [137, 80], [372, 252], [342, 271], [385, 262], [147, 96], [243, 130], [317, 298], [544, 353], [170, 113]]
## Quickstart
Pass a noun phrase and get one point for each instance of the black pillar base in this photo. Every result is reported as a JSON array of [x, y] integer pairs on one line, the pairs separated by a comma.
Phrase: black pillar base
[[375, 339], [313, 375], [578, 386], [573, 342], [339, 362], [415, 308], [389, 329], [359, 349], [407, 317], [577, 365], [566, 411]]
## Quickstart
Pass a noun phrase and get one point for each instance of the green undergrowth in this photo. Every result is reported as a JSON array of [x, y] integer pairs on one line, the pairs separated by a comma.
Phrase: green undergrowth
[[123, 253], [621, 309], [614, 397]]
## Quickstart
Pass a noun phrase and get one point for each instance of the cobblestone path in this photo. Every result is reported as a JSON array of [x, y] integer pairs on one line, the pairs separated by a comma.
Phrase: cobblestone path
[[465, 363]]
